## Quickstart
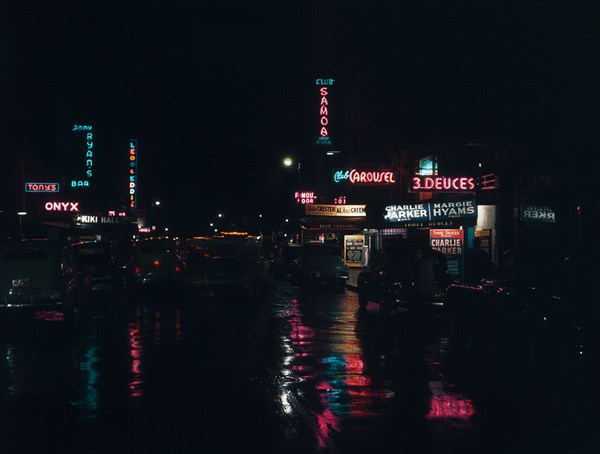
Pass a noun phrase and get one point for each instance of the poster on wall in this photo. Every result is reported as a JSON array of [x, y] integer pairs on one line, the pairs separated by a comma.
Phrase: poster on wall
[[353, 249], [451, 243], [483, 240]]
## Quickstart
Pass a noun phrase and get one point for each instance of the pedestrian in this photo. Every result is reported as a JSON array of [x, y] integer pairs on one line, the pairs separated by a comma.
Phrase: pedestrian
[[422, 271]]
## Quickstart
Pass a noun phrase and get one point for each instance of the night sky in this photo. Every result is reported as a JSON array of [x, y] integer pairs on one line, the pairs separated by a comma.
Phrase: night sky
[[217, 92]]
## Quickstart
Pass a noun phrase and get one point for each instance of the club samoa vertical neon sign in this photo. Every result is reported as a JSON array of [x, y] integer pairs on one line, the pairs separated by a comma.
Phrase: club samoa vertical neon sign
[[89, 156], [324, 86], [132, 183]]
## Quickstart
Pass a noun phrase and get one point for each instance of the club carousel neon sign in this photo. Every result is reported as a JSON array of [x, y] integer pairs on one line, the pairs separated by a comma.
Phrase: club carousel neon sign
[[355, 176]]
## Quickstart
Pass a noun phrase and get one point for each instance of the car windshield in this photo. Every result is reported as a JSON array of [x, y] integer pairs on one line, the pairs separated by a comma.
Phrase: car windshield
[[92, 256]]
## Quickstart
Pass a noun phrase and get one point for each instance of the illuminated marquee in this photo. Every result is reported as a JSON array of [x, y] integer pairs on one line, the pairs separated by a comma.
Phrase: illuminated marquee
[[42, 187], [62, 206], [132, 184], [324, 85], [335, 210], [354, 176], [431, 211], [89, 156], [304, 198], [422, 183]]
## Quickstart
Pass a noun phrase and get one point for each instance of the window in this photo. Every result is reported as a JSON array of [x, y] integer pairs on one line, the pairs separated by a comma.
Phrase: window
[[427, 166]]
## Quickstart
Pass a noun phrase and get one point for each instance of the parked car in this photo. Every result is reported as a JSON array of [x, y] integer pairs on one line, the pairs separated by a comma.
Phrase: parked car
[[390, 281], [320, 264], [38, 274], [534, 313], [95, 260], [284, 258], [156, 261], [227, 262]]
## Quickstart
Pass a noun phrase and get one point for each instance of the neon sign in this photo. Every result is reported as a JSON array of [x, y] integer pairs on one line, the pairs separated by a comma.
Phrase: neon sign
[[335, 210], [42, 187], [304, 198], [89, 155], [61, 206], [442, 184], [132, 184], [364, 177], [324, 85]]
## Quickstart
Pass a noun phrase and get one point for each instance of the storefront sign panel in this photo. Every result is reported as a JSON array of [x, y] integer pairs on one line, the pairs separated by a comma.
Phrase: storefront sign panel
[[451, 243], [431, 211], [335, 210]]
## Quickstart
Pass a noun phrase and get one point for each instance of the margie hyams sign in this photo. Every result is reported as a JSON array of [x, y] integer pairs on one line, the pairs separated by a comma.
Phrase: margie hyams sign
[[431, 211]]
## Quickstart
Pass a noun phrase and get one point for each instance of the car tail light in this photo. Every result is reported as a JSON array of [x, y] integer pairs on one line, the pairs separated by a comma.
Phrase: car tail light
[[177, 269]]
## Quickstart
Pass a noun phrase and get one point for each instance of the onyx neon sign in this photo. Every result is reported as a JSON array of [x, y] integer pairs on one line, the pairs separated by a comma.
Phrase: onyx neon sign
[[132, 183], [324, 85], [422, 183], [61, 206], [364, 177], [42, 187]]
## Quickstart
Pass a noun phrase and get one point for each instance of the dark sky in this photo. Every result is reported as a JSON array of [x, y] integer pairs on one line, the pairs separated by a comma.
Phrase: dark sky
[[216, 92]]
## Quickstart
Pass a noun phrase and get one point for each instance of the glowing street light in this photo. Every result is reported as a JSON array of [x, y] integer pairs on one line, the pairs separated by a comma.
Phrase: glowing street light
[[288, 161]]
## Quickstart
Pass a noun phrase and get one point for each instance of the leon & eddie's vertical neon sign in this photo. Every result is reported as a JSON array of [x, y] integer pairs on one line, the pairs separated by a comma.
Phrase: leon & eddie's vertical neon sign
[[132, 183]]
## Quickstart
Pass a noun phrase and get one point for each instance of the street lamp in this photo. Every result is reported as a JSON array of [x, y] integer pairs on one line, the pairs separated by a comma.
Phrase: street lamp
[[21, 214]]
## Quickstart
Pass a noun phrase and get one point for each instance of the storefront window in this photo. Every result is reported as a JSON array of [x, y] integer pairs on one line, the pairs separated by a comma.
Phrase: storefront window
[[427, 166]]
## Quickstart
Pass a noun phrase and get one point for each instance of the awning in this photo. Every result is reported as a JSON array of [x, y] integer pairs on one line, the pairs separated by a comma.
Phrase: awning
[[333, 223]]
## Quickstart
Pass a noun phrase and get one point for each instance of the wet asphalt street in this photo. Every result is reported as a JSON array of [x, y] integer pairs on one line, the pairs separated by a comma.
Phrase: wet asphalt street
[[288, 372]]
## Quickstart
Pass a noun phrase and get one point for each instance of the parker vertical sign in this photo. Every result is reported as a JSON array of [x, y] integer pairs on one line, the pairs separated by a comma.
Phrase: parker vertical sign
[[451, 243]]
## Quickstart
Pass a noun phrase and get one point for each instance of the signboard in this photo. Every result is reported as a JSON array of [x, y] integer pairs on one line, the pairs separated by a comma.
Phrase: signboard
[[62, 206], [304, 198], [132, 184], [364, 177], [95, 219], [421, 183], [353, 249], [88, 136], [530, 213], [451, 243], [324, 85], [335, 210], [483, 240], [42, 187], [431, 211]]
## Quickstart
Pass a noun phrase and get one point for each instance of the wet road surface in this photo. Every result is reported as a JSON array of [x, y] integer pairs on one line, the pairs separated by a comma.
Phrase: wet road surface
[[286, 372]]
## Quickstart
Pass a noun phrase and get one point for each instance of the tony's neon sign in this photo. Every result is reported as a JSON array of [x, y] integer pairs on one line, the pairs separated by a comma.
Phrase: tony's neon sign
[[42, 187], [364, 176]]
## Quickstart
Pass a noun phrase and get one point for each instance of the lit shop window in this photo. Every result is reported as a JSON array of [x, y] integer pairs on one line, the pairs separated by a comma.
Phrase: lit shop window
[[427, 166]]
